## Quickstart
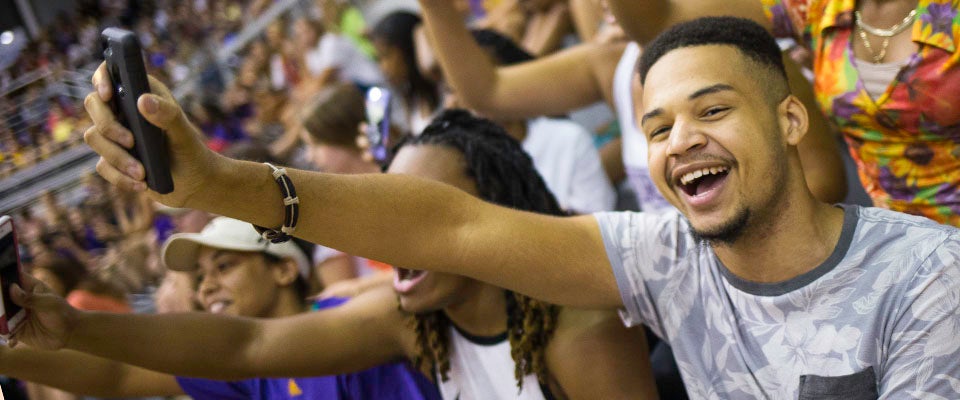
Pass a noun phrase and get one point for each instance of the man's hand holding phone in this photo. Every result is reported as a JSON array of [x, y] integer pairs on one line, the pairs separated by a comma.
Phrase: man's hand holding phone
[[191, 163]]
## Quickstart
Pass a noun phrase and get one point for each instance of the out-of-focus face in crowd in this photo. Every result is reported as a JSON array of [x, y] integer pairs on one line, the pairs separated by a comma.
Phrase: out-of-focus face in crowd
[[391, 63]]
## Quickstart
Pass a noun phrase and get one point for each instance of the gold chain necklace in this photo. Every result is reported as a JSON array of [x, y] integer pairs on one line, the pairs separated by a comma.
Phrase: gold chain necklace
[[886, 34], [889, 32], [877, 58]]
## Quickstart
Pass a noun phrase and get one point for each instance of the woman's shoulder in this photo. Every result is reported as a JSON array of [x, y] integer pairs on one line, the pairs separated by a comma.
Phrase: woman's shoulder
[[594, 355]]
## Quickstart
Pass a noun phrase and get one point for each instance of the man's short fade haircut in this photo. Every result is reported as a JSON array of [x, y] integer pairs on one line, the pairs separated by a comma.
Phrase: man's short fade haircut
[[751, 39]]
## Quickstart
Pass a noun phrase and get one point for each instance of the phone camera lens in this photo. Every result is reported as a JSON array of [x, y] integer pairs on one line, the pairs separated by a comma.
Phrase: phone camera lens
[[120, 91], [108, 53]]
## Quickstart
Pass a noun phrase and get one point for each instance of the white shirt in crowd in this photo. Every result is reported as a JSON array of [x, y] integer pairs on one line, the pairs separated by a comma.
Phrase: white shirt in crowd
[[482, 368], [564, 154], [337, 51], [634, 142]]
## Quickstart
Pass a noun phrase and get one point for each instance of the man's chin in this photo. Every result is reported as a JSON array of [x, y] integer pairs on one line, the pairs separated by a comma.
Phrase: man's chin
[[724, 233]]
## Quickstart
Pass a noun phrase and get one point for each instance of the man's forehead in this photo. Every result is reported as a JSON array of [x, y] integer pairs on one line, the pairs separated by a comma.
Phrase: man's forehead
[[684, 71]]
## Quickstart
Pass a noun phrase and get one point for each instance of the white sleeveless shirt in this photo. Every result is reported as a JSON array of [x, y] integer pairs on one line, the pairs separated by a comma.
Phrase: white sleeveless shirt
[[634, 143], [481, 368]]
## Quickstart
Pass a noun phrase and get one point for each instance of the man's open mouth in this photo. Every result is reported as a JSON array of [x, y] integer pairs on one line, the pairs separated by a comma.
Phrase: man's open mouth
[[700, 181]]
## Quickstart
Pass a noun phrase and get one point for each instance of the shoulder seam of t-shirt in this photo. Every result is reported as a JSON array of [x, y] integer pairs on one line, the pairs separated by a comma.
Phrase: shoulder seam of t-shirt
[[922, 264], [851, 217]]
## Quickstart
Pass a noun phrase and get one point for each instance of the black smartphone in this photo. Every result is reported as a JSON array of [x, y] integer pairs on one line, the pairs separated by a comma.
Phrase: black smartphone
[[121, 51], [10, 314], [378, 122]]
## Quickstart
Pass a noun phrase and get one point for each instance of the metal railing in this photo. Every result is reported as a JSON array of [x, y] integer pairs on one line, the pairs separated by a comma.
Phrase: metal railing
[[221, 55]]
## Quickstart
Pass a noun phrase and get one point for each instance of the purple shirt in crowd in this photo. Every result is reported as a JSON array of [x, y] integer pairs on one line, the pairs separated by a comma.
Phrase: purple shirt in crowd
[[398, 381]]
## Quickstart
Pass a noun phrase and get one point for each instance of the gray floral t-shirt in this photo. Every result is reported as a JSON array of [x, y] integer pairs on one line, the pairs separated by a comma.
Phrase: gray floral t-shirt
[[878, 319]]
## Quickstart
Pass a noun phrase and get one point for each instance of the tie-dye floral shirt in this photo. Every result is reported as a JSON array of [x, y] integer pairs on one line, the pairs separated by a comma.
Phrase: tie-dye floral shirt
[[906, 143]]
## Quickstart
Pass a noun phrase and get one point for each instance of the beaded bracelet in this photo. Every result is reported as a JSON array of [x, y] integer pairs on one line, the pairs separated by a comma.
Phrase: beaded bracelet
[[291, 208]]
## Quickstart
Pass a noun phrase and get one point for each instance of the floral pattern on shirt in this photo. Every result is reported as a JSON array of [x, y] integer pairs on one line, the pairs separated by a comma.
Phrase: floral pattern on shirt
[[906, 143], [885, 303]]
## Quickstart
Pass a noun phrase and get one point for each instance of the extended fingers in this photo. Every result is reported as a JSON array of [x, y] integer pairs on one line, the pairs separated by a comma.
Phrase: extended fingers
[[20, 297], [104, 142], [31, 284], [23, 292], [123, 180], [105, 124], [101, 82], [112, 154], [106, 137]]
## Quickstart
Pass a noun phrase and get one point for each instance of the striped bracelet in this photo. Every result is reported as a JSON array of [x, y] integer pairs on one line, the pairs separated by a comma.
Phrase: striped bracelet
[[291, 208]]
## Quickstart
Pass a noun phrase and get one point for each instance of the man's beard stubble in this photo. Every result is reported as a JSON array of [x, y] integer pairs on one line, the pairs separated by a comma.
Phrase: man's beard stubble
[[726, 234]]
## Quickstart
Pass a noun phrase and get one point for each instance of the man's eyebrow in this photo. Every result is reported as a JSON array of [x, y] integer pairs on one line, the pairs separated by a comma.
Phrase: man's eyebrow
[[720, 87], [655, 113]]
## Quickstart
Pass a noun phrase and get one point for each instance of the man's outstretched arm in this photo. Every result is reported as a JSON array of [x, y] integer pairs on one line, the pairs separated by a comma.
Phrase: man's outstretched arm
[[401, 220]]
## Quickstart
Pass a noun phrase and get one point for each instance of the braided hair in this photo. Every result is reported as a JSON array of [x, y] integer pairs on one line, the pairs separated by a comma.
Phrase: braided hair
[[504, 175]]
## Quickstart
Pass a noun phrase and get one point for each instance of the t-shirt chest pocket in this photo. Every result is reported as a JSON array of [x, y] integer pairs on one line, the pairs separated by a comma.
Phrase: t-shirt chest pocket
[[858, 386]]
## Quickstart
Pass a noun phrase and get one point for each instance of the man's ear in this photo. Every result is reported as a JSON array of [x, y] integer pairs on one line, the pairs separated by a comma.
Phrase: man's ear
[[285, 272], [793, 119]]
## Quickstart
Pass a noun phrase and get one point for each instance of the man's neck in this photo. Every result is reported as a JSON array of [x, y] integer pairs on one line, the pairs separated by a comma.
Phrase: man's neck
[[786, 243], [481, 312]]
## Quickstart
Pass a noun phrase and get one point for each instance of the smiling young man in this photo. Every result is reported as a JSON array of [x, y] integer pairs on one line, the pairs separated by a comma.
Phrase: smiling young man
[[762, 291]]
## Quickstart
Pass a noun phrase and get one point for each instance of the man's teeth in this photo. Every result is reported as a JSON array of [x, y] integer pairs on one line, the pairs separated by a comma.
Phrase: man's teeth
[[693, 175]]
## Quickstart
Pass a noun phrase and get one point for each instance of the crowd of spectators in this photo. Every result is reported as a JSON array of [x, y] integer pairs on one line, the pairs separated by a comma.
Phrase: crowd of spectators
[[43, 89], [293, 95]]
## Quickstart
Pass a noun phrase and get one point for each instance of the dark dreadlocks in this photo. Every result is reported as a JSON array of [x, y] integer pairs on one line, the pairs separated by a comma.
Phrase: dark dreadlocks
[[504, 175]]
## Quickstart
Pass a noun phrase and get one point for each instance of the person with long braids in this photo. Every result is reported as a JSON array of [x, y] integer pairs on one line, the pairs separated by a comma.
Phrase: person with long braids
[[474, 363], [477, 341]]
